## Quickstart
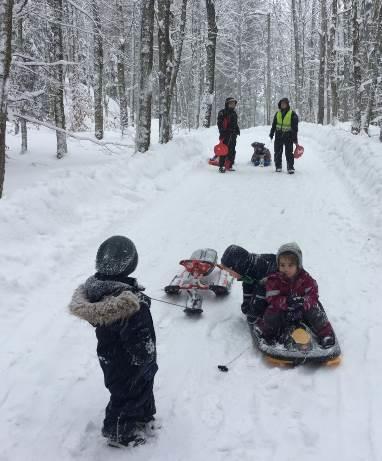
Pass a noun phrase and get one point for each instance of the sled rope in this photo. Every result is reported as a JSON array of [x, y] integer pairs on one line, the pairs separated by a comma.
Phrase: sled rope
[[167, 302], [225, 368]]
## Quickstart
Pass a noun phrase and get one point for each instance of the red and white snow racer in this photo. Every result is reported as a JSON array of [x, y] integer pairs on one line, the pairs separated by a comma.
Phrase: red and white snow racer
[[201, 273]]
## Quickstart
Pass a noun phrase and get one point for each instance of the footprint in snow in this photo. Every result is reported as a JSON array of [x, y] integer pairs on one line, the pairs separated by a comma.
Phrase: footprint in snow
[[211, 411]]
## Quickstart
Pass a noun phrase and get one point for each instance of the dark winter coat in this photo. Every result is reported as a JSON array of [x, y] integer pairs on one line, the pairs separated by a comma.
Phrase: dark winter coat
[[259, 151], [259, 267], [227, 124], [126, 347], [290, 136], [252, 268]]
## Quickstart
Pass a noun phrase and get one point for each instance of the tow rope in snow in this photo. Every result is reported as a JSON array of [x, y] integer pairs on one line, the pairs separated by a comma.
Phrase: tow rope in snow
[[225, 367], [167, 302]]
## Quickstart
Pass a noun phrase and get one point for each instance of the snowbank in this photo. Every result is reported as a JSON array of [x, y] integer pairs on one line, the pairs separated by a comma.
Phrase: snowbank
[[356, 158], [91, 187]]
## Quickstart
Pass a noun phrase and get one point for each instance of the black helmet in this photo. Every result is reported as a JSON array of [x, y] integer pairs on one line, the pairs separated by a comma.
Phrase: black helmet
[[116, 255], [228, 100], [283, 100], [237, 259]]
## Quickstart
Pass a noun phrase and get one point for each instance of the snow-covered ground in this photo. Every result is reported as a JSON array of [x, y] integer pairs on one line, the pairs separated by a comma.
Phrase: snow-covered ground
[[55, 214]]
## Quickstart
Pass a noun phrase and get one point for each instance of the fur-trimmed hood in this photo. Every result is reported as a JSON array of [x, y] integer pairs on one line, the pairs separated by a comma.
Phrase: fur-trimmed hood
[[103, 302]]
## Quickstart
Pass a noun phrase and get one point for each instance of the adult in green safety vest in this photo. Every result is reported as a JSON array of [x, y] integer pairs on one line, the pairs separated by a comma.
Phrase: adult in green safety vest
[[285, 125]]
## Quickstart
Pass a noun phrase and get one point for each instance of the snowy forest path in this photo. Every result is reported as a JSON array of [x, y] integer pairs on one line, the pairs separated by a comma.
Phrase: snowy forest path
[[54, 397]]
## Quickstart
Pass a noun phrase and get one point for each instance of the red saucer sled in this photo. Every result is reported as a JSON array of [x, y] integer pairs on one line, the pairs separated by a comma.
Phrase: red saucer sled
[[201, 273], [220, 150], [299, 151]]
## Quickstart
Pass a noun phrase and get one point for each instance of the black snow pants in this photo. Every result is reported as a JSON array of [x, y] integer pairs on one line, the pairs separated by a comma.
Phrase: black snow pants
[[280, 142], [230, 141], [126, 409]]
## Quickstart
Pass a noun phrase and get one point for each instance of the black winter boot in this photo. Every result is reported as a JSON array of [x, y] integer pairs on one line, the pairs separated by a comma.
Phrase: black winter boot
[[327, 341]]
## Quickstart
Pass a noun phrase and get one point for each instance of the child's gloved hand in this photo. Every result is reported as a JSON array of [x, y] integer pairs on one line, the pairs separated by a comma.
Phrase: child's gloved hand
[[296, 302], [294, 314]]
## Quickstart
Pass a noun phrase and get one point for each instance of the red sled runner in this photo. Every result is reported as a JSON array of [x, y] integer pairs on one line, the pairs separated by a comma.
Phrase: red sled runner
[[201, 273]]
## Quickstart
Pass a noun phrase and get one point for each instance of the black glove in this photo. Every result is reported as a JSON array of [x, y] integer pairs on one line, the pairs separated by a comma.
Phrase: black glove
[[245, 306], [294, 315], [295, 302]]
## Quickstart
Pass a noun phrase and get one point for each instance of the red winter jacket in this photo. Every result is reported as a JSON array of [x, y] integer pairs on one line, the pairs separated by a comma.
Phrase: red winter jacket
[[279, 287]]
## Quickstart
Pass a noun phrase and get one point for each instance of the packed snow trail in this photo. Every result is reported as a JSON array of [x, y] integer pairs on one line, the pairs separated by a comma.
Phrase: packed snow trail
[[52, 394]]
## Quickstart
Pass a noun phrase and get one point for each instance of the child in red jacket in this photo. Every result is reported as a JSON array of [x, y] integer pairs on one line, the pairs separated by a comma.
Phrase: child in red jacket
[[292, 294]]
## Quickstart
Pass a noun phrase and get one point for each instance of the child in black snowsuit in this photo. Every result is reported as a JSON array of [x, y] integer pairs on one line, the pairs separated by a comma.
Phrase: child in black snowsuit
[[114, 304], [228, 132], [251, 269]]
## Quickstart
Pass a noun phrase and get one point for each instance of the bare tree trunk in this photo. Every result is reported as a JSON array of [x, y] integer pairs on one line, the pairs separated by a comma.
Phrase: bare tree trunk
[[24, 136], [195, 67], [268, 71], [98, 71], [145, 79], [209, 79], [77, 98], [132, 91], [321, 76], [6, 13], [374, 60], [124, 120], [297, 57], [22, 123], [165, 58], [177, 52], [344, 101], [357, 74], [59, 84], [332, 58], [238, 66], [312, 83]]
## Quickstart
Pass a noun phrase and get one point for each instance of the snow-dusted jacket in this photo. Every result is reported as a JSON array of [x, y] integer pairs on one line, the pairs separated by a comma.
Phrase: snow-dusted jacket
[[121, 316], [279, 288], [227, 123]]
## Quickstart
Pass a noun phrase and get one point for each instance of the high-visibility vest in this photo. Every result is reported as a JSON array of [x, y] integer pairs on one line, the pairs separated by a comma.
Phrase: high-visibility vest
[[284, 124]]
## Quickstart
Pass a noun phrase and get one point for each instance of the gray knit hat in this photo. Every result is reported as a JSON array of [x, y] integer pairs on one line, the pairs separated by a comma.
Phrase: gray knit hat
[[291, 248]]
